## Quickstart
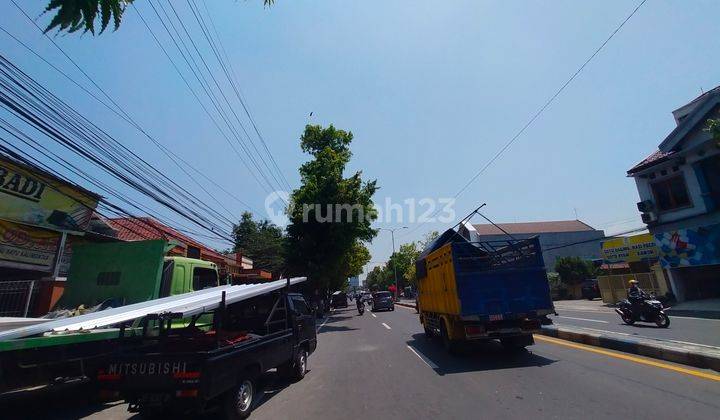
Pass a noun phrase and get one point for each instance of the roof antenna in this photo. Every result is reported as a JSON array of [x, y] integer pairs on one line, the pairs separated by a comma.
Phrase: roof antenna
[[702, 92]]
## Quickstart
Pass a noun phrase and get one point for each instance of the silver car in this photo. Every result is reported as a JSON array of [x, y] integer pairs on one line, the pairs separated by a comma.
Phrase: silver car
[[382, 300]]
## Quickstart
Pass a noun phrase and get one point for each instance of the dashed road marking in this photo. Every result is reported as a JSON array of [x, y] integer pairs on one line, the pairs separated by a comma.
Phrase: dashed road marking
[[386, 326], [374, 316]]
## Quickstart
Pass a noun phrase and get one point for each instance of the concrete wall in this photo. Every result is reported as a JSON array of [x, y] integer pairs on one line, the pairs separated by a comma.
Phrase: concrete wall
[[588, 250]]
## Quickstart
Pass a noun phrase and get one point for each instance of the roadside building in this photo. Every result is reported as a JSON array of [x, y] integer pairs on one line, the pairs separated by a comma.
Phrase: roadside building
[[41, 217], [562, 238], [354, 281], [679, 189]]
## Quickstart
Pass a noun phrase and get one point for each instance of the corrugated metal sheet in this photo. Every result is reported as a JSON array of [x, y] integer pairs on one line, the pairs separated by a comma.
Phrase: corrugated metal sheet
[[187, 304]]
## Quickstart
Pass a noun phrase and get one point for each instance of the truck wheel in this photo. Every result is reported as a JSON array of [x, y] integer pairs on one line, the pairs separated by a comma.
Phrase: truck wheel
[[240, 401], [451, 346], [300, 365]]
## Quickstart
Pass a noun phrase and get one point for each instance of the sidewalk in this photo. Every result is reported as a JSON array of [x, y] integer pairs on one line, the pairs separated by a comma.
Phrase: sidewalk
[[706, 308]]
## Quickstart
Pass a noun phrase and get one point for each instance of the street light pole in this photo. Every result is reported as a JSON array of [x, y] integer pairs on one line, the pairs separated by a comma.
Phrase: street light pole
[[392, 235]]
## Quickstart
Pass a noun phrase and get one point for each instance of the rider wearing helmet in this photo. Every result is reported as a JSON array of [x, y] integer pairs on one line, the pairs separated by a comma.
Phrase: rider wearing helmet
[[635, 296]]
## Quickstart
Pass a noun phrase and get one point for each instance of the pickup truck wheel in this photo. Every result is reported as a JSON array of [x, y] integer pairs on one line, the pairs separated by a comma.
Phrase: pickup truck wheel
[[300, 366], [240, 400]]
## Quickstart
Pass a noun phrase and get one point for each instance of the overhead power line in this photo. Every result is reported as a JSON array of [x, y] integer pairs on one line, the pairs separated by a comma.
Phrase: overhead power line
[[540, 111], [120, 112]]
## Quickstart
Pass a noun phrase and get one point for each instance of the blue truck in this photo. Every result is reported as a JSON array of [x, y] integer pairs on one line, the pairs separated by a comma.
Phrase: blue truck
[[474, 291]]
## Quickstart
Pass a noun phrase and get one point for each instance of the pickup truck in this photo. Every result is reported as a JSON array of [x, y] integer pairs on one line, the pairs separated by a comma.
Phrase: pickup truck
[[101, 276], [216, 362], [475, 291]]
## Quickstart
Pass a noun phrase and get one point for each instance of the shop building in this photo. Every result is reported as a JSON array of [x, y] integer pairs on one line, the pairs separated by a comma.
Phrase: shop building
[[41, 217], [679, 189]]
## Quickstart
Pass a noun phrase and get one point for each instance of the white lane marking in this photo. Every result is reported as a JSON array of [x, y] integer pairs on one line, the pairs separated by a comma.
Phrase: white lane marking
[[374, 316], [583, 319], [423, 358], [322, 325], [386, 326]]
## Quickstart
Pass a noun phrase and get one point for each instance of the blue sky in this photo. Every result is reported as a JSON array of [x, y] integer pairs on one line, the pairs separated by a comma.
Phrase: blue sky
[[431, 90]]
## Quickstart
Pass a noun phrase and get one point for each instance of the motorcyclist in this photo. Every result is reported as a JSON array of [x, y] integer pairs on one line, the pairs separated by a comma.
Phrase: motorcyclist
[[636, 296]]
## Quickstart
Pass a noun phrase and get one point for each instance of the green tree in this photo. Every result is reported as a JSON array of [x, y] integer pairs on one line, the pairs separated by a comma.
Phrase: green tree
[[330, 215], [713, 126], [262, 242], [402, 260], [74, 15], [574, 270], [379, 278]]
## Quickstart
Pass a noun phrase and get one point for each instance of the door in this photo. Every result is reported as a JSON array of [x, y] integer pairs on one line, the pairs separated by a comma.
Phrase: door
[[303, 320]]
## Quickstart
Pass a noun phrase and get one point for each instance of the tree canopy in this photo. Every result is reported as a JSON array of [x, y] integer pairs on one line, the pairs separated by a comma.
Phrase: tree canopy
[[74, 15], [261, 241], [330, 214], [574, 270]]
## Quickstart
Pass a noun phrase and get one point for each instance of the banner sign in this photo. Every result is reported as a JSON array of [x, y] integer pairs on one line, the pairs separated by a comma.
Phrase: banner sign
[[33, 248], [630, 249], [689, 247], [39, 200]]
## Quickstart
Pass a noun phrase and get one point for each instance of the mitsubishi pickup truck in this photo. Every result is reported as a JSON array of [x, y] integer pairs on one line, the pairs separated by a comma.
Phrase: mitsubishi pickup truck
[[215, 360]]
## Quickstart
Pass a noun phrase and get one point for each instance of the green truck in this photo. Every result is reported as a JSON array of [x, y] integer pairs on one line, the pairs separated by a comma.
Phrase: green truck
[[101, 276]]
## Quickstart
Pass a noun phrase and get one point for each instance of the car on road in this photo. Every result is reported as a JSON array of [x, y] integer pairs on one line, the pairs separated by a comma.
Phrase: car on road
[[339, 300], [590, 289], [382, 300]]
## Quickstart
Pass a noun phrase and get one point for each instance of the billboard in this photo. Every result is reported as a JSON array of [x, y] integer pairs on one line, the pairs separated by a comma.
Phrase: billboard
[[630, 249], [41, 200], [32, 248]]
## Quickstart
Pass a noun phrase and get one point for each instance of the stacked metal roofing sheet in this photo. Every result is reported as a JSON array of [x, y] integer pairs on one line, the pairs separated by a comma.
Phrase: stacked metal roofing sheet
[[187, 305]]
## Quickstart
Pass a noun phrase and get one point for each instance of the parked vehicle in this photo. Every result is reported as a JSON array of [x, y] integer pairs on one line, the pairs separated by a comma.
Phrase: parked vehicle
[[589, 289], [482, 291], [192, 367], [339, 300], [649, 310], [382, 300], [101, 276]]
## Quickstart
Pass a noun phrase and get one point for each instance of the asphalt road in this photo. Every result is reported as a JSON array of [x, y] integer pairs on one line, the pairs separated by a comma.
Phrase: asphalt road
[[382, 367], [683, 329]]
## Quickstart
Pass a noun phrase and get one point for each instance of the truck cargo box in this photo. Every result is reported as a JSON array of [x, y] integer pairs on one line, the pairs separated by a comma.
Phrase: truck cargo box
[[488, 280]]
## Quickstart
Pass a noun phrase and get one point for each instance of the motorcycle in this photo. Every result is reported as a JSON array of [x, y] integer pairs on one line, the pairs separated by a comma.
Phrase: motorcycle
[[651, 310], [361, 308]]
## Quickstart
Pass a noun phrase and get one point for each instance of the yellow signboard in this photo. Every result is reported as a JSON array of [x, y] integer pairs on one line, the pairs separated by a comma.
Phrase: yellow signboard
[[40, 200], [630, 249]]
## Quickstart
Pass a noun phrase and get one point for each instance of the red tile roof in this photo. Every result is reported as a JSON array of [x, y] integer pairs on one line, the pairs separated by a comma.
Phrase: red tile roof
[[534, 227], [655, 158], [145, 228]]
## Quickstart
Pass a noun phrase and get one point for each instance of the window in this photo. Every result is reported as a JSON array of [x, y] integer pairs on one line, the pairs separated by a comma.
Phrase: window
[[300, 305], [204, 278], [670, 193]]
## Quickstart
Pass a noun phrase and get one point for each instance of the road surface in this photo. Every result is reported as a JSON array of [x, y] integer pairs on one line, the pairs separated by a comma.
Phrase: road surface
[[687, 330], [382, 367]]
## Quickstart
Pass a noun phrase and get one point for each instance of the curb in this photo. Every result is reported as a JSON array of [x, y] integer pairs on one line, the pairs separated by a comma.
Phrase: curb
[[693, 313], [657, 349], [407, 305]]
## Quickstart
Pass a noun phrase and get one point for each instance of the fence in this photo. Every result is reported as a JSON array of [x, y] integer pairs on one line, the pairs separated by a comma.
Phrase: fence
[[17, 298], [614, 288]]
